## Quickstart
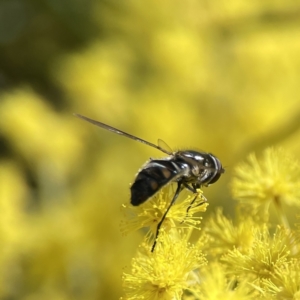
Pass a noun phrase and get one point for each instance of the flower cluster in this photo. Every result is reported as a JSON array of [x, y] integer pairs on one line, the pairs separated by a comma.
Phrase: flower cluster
[[150, 213], [272, 179], [247, 257], [167, 272]]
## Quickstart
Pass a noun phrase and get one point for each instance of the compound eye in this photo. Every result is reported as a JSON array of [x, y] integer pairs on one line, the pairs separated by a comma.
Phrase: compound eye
[[215, 178]]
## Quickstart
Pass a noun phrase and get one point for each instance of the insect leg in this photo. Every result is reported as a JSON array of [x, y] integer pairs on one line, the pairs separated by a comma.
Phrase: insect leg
[[193, 189], [191, 204], [178, 190]]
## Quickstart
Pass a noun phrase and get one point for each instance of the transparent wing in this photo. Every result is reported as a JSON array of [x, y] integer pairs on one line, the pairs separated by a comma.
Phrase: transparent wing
[[120, 132], [163, 145]]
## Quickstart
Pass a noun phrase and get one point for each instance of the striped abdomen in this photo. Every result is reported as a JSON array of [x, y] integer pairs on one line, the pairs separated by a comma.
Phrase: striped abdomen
[[152, 177]]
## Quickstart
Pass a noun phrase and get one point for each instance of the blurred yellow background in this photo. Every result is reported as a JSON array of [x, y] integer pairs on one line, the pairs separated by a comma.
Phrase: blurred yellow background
[[220, 76]]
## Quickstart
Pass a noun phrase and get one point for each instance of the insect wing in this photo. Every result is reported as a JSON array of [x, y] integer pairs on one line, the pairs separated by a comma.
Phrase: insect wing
[[163, 145], [120, 132]]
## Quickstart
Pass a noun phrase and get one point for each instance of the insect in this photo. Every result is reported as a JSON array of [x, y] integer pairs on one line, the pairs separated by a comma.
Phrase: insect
[[188, 168]]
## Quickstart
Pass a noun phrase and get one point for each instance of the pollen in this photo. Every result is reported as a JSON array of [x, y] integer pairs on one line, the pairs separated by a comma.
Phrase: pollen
[[164, 273], [272, 178], [150, 213]]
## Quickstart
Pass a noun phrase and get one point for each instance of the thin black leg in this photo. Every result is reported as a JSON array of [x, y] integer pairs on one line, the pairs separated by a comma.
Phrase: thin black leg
[[193, 189], [191, 204], [178, 190]]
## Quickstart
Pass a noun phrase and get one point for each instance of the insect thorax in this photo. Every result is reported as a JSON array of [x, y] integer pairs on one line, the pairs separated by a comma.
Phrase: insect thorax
[[204, 168]]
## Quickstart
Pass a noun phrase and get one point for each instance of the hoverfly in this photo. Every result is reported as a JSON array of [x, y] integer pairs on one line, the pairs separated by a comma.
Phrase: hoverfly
[[190, 169]]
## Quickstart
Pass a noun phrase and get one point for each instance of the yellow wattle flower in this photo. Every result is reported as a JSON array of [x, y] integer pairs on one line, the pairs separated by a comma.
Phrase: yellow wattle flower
[[165, 273], [150, 213]]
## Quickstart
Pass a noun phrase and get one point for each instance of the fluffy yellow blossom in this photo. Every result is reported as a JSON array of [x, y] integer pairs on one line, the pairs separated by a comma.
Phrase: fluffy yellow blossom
[[272, 179], [150, 213], [215, 284], [268, 252], [165, 273], [222, 235], [285, 283]]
